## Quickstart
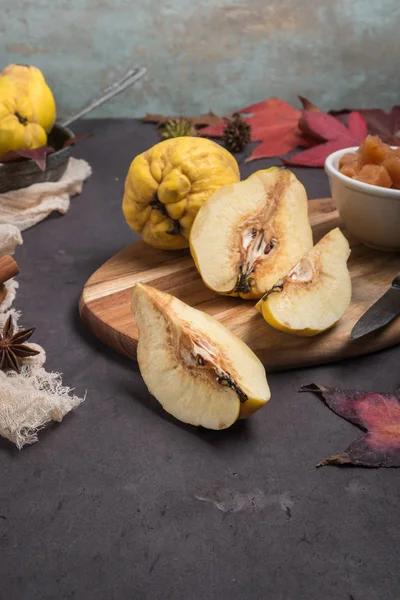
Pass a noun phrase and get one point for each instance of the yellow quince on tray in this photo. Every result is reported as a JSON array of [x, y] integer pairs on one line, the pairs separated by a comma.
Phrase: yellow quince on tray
[[30, 81]]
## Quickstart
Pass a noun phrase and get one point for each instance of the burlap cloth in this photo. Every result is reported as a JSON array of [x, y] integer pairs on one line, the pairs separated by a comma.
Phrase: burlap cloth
[[32, 399]]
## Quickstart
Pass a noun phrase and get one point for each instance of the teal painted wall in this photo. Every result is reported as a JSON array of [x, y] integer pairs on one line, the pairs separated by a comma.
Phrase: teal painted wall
[[208, 54]]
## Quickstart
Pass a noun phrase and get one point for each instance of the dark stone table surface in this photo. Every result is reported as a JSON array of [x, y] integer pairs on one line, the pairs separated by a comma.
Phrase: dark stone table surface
[[120, 501]]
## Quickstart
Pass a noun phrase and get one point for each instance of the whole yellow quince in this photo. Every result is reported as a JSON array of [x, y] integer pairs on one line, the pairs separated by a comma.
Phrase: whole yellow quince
[[166, 186], [19, 129], [31, 82]]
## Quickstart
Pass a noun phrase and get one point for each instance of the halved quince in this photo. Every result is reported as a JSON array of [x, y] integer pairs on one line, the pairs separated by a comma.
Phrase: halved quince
[[315, 294], [195, 367], [249, 234]]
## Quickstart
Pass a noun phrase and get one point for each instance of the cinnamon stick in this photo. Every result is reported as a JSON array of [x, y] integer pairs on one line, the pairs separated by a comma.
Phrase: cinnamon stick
[[8, 268]]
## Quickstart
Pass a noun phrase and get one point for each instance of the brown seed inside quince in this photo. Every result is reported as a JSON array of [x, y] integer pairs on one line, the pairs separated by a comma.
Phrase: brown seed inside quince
[[196, 368], [249, 234]]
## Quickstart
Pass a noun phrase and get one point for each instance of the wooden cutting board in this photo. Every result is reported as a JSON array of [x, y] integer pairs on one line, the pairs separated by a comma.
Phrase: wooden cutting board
[[105, 301]]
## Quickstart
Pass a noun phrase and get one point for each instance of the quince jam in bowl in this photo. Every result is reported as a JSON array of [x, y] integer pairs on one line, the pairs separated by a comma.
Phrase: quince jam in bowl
[[365, 184]]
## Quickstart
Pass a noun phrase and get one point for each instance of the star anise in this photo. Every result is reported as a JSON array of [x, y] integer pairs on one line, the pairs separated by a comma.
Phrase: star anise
[[12, 347]]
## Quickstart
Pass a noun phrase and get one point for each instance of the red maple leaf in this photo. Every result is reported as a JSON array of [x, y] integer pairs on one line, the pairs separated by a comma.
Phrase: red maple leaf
[[377, 414], [308, 105], [38, 155], [386, 125], [273, 122], [336, 135]]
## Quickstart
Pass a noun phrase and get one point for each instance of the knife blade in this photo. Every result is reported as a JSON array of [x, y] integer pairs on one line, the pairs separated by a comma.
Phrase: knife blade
[[383, 312]]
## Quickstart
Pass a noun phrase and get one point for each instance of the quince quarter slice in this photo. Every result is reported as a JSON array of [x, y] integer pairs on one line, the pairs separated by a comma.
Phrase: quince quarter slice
[[249, 234], [315, 294], [195, 367]]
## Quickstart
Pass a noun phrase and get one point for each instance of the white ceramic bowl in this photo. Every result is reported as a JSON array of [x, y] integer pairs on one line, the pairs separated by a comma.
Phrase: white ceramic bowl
[[371, 213]]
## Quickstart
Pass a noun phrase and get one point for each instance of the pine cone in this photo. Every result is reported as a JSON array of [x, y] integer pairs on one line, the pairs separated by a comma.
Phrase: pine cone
[[237, 133], [179, 127]]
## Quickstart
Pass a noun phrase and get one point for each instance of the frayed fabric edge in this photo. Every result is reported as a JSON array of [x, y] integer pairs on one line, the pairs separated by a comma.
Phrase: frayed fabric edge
[[30, 401]]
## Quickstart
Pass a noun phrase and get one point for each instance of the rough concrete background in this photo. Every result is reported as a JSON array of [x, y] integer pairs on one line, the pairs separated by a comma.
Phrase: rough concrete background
[[218, 54]]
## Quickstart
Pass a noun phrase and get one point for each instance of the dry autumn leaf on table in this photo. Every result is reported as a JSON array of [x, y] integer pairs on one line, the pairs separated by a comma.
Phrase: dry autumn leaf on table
[[273, 122], [385, 125], [377, 414], [280, 128], [38, 155], [379, 122], [308, 105], [336, 135]]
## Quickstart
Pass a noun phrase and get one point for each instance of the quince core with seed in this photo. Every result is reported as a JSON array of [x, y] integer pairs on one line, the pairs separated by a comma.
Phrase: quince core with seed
[[198, 370], [316, 292], [249, 234]]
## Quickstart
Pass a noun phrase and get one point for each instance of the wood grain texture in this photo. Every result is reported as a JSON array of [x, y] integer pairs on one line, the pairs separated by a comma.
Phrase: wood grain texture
[[105, 301]]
